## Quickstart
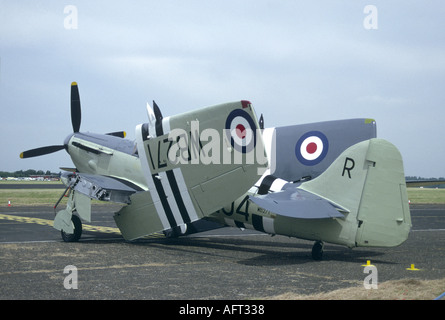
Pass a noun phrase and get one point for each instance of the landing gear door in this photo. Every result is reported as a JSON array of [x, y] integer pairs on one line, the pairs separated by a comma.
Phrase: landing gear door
[[83, 206]]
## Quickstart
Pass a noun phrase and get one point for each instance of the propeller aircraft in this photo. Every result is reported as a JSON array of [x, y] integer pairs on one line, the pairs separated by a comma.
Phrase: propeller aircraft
[[330, 181]]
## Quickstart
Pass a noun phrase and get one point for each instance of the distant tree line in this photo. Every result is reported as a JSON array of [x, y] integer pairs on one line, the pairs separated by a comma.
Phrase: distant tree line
[[27, 173], [423, 178]]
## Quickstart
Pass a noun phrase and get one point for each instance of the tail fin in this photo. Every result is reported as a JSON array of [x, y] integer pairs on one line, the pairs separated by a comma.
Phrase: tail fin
[[368, 179]]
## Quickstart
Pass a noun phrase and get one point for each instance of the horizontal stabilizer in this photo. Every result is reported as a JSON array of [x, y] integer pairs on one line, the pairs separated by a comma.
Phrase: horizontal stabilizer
[[296, 203]]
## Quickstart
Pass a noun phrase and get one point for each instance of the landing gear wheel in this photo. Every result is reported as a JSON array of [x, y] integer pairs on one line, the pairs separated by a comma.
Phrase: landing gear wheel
[[73, 237], [176, 232], [317, 250]]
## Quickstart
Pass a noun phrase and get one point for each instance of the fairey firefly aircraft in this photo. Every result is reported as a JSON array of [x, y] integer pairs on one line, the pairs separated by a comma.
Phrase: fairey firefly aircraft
[[326, 182]]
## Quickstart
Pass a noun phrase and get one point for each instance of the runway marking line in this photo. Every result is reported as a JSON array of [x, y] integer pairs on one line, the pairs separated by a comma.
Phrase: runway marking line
[[86, 227], [43, 222]]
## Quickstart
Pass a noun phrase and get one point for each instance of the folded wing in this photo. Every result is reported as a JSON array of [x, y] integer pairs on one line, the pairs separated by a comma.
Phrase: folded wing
[[194, 164]]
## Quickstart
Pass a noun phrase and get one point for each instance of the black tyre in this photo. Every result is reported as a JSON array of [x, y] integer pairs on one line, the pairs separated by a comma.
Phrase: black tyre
[[317, 250], [73, 237]]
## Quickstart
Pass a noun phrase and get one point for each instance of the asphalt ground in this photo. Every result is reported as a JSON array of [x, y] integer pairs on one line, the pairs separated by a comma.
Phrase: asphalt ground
[[225, 264]]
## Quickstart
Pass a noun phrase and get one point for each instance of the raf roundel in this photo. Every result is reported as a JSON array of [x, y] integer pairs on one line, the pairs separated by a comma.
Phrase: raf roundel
[[312, 148], [241, 131]]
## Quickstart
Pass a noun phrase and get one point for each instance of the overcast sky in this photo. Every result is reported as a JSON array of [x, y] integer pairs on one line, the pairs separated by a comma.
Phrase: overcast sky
[[296, 61]]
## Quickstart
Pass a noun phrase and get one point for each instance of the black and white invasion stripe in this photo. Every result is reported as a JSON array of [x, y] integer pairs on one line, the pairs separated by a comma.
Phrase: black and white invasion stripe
[[168, 189]]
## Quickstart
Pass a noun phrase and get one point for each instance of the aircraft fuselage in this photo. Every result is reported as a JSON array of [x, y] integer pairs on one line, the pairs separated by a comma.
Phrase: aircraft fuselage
[[106, 155]]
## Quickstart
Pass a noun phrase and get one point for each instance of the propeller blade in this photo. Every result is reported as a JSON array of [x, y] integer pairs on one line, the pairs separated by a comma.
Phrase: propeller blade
[[261, 122], [40, 151], [158, 116], [75, 107], [120, 134], [157, 112]]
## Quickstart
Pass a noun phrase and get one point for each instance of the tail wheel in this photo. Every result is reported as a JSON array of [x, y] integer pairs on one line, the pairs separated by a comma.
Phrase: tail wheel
[[317, 250], [73, 237]]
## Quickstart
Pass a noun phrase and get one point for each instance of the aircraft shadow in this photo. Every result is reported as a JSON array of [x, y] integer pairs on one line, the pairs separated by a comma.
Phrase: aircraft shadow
[[266, 253], [284, 251]]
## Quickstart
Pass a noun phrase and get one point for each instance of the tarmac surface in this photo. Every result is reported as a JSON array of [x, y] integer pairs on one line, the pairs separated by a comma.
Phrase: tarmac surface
[[222, 264]]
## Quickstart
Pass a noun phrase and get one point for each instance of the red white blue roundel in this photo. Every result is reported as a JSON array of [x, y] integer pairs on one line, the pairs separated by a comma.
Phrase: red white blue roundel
[[312, 148], [241, 131]]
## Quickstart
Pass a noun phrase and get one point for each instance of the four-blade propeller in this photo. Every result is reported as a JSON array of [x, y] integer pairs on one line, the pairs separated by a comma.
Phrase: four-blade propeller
[[75, 120]]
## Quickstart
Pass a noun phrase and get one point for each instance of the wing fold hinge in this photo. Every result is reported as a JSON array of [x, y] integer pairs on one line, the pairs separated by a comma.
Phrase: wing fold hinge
[[102, 188]]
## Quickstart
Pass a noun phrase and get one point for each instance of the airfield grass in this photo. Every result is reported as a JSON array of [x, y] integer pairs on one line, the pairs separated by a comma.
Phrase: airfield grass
[[30, 197], [45, 197], [406, 289], [426, 196], [30, 182], [35, 197]]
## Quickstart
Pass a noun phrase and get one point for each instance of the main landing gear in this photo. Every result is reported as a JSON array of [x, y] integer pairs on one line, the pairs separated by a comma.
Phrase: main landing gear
[[69, 220], [317, 250]]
